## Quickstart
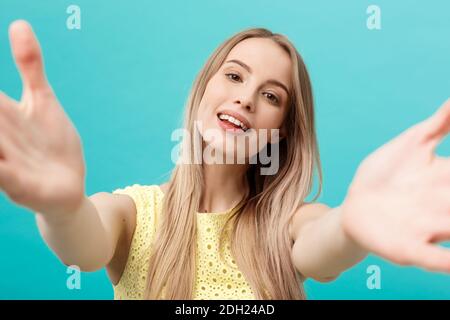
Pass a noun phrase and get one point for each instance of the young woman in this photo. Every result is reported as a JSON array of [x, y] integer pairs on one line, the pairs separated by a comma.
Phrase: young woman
[[226, 231]]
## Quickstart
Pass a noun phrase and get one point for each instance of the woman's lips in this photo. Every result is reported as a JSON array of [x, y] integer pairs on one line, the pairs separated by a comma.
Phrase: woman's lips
[[225, 125]]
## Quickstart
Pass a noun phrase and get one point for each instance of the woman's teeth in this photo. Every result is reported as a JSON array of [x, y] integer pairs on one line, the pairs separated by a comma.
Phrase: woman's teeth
[[233, 121]]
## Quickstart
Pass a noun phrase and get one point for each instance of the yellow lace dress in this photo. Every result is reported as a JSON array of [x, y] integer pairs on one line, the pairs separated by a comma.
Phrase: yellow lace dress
[[215, 279]]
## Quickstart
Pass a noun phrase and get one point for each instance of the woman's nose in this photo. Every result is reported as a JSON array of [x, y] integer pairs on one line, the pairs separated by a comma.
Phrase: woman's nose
[[246, 102]]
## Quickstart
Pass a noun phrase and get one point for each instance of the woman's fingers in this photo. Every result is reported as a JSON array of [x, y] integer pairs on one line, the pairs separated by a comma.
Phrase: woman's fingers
[[27, 54], [6, 101], [5, 175], [429, 254], [432, 257], [440, 230], [442, 167], [8, 107], [437, 126]]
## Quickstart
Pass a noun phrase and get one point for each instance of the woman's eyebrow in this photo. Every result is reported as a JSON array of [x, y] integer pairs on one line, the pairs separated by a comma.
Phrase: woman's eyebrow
[[271, 81], [242, 64]]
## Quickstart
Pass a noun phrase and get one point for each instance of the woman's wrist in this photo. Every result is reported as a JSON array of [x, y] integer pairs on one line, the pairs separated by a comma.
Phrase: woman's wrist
[[347, 242], [63, 217]]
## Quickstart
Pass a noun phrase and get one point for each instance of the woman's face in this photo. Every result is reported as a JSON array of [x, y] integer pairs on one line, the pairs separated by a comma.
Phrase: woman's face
[[252, 85]]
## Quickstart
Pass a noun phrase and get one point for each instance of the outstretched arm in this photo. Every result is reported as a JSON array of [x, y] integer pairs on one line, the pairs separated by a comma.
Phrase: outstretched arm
[[42, 167], [322, 250], [397, 206]]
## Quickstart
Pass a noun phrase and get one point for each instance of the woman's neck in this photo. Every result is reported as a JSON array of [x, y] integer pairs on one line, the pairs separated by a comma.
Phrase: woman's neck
[[224, 186]]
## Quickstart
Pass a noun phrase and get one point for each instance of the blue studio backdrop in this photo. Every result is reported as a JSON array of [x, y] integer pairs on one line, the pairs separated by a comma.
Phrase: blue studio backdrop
[[124, 73]]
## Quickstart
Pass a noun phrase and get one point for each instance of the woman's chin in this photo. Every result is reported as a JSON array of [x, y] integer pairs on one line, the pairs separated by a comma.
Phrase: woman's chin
[[214, 153]]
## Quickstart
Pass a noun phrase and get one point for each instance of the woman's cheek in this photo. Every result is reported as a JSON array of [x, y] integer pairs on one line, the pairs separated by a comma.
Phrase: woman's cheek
[[221, 89], [268, 121], [210, 95], [269, 126]]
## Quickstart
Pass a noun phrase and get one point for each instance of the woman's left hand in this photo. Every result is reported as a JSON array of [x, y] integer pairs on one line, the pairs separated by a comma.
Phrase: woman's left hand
[[398, 204]]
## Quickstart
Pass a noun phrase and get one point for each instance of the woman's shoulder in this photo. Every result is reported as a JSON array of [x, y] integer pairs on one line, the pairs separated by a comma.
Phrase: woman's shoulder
[[139, 192], [164, 187], [138, 204], [138, 187]]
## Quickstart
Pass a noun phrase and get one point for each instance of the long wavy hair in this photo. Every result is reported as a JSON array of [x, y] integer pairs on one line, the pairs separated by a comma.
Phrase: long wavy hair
[[260, 241]]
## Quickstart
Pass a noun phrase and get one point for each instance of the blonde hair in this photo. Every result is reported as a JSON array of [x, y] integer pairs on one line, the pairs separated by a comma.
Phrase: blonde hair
[[260, 240]]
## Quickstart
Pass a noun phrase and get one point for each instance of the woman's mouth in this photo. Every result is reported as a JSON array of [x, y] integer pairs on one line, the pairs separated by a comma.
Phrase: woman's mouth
[[229, 124]]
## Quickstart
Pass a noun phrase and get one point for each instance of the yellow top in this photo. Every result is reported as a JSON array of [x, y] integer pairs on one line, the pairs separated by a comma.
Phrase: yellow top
[[215, 278]]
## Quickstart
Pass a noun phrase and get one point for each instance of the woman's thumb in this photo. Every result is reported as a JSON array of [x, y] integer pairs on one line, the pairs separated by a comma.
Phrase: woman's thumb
[[27, 55]]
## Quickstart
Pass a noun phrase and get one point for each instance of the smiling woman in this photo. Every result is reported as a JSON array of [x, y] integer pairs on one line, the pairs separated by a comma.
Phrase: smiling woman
[[233, 230], [257, 81]]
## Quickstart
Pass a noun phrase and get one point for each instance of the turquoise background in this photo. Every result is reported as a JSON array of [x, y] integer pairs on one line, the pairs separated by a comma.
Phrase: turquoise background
[[124, 78]]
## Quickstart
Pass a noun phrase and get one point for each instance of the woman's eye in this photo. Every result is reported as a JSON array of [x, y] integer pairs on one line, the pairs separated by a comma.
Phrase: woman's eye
[[272, 97], [233, 76]]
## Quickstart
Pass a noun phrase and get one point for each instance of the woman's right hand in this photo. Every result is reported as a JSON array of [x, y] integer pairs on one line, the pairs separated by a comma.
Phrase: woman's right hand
[[41, 157]]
